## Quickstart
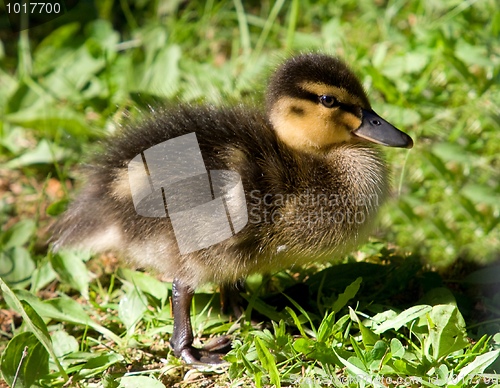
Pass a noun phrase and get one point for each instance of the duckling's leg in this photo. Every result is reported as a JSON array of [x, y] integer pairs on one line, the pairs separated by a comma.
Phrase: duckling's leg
[[182, 336]]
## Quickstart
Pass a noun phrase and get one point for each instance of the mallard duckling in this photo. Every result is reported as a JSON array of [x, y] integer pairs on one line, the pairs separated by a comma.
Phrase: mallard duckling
[[301, 182]]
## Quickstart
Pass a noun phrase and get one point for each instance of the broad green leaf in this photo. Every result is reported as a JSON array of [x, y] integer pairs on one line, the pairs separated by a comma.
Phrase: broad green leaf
[[76, 69], [369, 337], [401, 366], [15, 138], [359, 363], [37, 322], [361, 375], [323, 353], [64, 343], [99, 363], [349, 293], [42, 275], [66, 309], [28, 354], [34, 322], [19, 234], [397, 348], [314, 350], [376, 357], [481, 194], [9, 84], [146, 283], [161, 77], [402, 117], [102, 32], [53, 47], [451, 152], [380, 318], [403, 318], [411, 62], [446, 331], [304, 345], [132, 307], [478, 365], [58, 207], [442, 374], [473, 54], [16, 266], [439, 295], [139, 382], [50, 118], [44, 153], [71, 268]]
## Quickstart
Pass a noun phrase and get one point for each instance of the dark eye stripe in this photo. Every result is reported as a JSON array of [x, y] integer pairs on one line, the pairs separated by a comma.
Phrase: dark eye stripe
[[305, 95], [355, 110], [301, 94]]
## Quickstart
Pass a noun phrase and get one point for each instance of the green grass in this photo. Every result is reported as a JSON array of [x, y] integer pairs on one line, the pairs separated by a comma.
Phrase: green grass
[[384, 312]]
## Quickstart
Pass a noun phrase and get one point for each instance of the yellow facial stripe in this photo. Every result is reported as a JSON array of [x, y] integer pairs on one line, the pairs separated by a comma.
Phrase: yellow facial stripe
[[307, 126], [340, 94], [350, 121]]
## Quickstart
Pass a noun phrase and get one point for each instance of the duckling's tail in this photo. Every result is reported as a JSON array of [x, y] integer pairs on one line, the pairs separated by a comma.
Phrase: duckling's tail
[[85, 224]]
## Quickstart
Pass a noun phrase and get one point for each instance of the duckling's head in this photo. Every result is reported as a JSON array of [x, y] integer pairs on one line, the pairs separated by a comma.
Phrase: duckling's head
[[315, 102]]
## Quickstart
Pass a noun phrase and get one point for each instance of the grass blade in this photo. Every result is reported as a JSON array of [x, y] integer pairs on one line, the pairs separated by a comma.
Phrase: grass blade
[[268, 362], [35, 324]]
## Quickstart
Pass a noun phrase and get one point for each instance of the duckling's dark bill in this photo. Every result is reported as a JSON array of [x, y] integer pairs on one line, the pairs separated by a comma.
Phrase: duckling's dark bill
[[375, 129]]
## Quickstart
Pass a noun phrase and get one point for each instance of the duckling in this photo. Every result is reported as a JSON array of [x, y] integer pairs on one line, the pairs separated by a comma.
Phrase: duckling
[[299, 181]]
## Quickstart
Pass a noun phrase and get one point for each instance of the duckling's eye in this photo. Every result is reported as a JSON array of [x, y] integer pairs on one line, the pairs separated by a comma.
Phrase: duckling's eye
[[328, 101]]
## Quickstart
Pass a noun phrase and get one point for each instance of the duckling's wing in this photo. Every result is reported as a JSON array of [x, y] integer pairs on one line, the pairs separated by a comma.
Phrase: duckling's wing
[[103, 216]]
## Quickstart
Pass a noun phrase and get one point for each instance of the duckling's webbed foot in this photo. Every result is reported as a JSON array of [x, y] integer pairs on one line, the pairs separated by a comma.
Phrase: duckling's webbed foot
[[214, 349], [182, 336]]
